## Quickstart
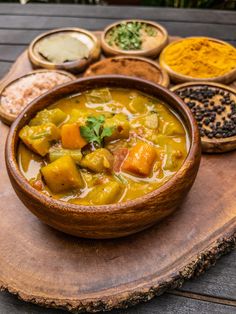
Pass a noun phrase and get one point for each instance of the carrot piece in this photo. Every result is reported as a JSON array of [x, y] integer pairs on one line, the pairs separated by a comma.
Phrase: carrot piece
[[140, 159], [71, 137]]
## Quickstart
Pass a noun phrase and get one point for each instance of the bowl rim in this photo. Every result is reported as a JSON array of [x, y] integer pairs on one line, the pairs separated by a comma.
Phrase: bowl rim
[[204, 140], [65, 207], [165, 81], [35, 59], [139, 52], [11, 117], [187, 78]]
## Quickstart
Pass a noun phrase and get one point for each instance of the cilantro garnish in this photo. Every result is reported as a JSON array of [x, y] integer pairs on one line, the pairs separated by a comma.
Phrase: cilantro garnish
[[127, 36], [94, 130]]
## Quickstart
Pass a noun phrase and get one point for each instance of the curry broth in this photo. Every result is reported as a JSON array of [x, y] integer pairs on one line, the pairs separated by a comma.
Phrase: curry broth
[[150, 123]]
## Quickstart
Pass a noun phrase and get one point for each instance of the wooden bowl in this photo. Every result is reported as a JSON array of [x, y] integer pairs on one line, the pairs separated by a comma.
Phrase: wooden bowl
[[176, 77], [114, 220], [7, 117], [213, 145], [151, 53], [163, 76], [72, 66]]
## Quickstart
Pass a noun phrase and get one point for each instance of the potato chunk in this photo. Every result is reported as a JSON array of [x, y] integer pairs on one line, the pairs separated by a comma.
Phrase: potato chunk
[[71, 137], [55, 116], [120, 126], [140, 159], [62, 175], [38, 138], [106, 193], [98, 161]]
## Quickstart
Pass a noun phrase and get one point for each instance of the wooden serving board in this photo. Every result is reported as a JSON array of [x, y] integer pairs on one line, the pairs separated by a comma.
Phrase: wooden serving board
[[46, 267]]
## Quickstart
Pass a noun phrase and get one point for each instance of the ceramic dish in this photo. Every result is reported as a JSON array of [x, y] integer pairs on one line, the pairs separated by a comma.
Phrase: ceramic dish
[[8, 117], [214, 145], [114, 220], [152, 52], [180, 78], [75, 66], [159, 76]]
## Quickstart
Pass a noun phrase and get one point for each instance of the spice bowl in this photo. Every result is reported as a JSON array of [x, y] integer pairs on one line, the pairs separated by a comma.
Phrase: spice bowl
[[41, 57], [178, 77], [214, 107], [131, 66], [117, 219], [9, 110], [149, 38]]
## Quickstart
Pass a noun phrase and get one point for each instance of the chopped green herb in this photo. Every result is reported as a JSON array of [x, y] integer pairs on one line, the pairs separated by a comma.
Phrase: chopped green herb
[[94, 130], [150, 30], [127, 36]]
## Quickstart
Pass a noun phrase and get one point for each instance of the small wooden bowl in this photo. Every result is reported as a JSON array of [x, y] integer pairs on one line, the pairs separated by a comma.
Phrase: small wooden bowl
[[151, 53], [72, 66], [176, 77], [7, 117], [213, 145], [114, 220], [163, 80]]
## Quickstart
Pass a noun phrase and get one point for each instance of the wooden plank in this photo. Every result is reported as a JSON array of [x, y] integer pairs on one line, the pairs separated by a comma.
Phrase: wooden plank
[[11, 52], [23, 37], [168, 304], [18, 37], [201, 297], [4, 67], [175, 28], [219, 281], [48, 22], [161, 14]]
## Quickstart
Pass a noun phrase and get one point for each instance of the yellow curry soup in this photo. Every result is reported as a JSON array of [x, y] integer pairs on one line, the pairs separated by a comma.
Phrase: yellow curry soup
[[102, 146]]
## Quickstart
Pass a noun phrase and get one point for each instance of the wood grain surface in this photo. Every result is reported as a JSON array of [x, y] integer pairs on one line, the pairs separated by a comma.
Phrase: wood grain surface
[[46, 267], [20, 24]]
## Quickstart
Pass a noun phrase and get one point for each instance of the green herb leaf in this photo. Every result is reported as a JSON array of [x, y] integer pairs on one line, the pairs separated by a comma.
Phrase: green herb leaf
[[94, 131], [126, 36], [106, 132]]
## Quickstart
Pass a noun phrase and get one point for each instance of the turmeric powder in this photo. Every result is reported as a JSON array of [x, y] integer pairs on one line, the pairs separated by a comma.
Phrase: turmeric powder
[[200, 57]]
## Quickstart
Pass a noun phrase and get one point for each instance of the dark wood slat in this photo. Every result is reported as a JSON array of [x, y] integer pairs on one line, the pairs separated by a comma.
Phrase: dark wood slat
[[168, 304], [47, 22], [21, 37], [18, 37], [11, 52], [219, 281], [175, 28], [4, 67], [161, 14]]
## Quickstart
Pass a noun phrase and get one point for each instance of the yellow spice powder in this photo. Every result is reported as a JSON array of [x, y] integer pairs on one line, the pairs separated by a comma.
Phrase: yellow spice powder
[[200, 57]]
